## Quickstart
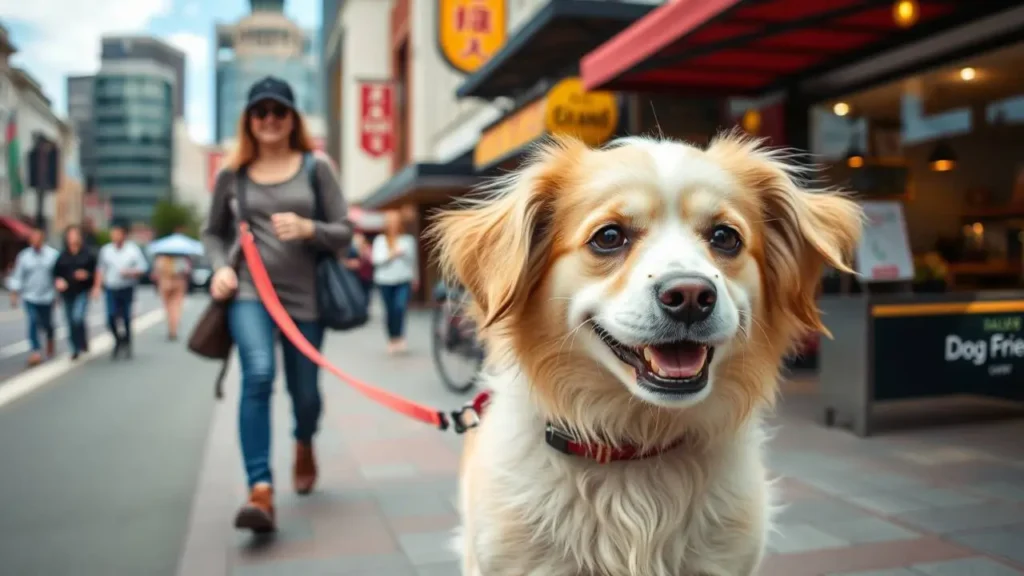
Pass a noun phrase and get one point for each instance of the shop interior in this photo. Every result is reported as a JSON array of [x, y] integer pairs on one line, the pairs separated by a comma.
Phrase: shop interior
[[948, 144]]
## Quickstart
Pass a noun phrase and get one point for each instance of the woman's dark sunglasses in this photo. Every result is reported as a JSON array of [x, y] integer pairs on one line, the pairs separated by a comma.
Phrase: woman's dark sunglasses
[[261, 111]]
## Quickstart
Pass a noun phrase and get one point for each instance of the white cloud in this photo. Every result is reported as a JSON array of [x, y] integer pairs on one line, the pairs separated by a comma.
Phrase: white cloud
[[67, 34], [198, 83]]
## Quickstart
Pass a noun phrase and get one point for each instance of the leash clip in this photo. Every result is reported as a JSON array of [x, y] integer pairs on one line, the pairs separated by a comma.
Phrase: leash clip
[[460, 422]]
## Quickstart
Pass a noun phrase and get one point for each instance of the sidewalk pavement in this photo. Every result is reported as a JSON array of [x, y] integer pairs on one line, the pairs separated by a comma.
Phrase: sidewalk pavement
[[943, 501]]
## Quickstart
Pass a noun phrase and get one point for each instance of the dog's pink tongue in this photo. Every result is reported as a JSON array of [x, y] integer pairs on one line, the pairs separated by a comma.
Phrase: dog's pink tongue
[[680, 361]]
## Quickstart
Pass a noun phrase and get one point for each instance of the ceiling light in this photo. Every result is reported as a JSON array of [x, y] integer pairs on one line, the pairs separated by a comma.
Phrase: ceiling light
[[905, 13], [943, 158], [967, 74], [841, 108]]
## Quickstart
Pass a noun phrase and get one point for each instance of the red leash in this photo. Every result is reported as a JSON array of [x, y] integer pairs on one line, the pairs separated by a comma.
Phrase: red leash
[[284, 322]]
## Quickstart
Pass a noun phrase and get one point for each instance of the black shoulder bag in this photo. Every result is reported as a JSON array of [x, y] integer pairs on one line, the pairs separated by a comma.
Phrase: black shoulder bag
[[340, 299]]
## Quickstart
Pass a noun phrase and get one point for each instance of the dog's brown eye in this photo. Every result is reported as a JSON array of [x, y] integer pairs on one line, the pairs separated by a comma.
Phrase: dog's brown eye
[[725, 239], [608, 239]]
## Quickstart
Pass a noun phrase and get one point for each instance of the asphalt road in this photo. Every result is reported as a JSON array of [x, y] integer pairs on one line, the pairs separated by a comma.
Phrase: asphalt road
[[14, 347], [98, 468]]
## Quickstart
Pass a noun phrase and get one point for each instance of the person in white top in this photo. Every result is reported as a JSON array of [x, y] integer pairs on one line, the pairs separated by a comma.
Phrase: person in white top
[[119, 266], [395, 272], [32, 281]]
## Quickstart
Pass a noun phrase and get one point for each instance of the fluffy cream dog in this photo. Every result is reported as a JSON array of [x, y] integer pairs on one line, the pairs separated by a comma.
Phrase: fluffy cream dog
[[636, 302]]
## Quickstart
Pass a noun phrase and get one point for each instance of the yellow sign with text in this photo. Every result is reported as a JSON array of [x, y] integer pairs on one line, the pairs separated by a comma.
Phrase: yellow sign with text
[[567, 109], [590, 116], [511, 134], [469, 32]]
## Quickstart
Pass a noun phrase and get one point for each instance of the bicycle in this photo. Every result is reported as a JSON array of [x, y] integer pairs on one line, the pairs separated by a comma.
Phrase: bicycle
[[454, 332]]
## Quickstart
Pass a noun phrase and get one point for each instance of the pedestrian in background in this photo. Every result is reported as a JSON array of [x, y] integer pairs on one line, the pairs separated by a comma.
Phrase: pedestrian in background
[[119, 266], [360, 262], [170, 274], [32, 282], [74, 275], [395, 275], [278, 159]]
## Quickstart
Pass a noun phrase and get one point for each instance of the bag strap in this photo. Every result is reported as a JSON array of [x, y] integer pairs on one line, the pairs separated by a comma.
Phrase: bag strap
[[241, 183], [309, 165]]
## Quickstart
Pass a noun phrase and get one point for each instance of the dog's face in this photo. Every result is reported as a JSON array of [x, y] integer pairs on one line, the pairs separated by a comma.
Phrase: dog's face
[[648, 270]]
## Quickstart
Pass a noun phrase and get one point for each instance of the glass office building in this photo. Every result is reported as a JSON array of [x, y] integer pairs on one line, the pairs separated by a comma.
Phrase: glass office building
[[133, 135]]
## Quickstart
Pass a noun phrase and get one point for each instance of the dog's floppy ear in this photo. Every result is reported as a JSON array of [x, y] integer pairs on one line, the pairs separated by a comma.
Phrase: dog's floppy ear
[[497, 246], [803, 229]]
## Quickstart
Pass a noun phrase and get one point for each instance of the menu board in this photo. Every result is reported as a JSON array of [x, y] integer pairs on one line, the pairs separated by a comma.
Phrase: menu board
[[883, 254]]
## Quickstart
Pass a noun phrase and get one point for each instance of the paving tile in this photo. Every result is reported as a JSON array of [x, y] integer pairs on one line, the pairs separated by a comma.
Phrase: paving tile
[[962, 518], [1011, 491], [419, 503], [412, 524], [893, 572], [966, 567], [428, 547], [791, 538], [865, 530], [389, 565], [815, 511], [874, 556], [446, 569], [1005, 542], [386, 471]]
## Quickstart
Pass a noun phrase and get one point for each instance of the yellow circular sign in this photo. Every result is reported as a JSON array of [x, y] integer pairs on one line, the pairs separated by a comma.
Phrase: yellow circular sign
[[590, 116]]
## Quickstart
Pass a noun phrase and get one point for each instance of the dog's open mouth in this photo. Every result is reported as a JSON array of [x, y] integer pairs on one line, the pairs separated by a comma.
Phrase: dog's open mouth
[[678, 367]]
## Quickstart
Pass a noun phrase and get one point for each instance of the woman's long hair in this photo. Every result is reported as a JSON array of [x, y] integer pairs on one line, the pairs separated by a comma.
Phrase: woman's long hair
[[393, 227], [245, 150]]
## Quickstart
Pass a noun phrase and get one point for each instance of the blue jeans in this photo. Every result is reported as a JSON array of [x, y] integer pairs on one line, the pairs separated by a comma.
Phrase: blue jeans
[[75, 309], [119, 306], [255, 335], [40, 317], [396, 301]]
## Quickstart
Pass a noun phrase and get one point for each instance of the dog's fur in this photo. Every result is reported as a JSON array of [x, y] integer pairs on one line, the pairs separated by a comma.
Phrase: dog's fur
[[702, 508]]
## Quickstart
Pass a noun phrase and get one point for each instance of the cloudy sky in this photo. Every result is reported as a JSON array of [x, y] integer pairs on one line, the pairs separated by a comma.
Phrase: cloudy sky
[[57, 38]]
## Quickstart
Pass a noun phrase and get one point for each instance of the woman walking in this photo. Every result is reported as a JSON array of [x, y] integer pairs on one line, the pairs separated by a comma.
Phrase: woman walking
[[74, 274], [170, 274], [274, 162], [394, 273]]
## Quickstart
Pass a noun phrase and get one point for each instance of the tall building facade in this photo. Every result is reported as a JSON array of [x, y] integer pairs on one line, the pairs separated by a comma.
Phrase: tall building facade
[[265, 42], [138, 94], [80, 106]]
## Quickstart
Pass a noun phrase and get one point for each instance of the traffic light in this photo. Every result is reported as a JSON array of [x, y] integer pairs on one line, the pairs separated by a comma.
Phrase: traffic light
[[43, 164]]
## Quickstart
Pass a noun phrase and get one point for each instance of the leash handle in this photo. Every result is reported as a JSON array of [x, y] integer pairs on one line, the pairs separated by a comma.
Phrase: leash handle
[[267, 294]]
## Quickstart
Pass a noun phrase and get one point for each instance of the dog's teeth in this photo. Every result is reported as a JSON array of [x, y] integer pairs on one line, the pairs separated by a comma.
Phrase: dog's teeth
[[647, 353], [659, 371]]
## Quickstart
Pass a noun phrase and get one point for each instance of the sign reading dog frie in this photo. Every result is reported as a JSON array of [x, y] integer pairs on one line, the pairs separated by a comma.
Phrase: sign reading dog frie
[[957, 353]]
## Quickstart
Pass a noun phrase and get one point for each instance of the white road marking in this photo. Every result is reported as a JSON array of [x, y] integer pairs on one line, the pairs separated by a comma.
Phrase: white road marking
[[27, 382]]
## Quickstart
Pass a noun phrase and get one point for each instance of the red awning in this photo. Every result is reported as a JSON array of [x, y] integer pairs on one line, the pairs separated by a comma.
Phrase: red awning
[[748, 47], [19, 228]]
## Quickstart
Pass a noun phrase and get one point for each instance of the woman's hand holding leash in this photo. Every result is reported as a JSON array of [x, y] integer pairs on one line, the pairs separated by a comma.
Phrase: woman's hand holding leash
[[224, 283]]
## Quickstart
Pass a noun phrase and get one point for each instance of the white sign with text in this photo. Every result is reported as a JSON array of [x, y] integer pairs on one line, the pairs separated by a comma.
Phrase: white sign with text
[[883, 254]]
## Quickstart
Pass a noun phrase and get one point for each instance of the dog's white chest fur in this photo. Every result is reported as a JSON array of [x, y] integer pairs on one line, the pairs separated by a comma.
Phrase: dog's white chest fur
[[529, 510]]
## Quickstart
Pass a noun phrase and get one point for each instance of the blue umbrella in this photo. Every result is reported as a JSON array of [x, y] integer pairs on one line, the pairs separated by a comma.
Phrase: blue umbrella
[[175, 245]]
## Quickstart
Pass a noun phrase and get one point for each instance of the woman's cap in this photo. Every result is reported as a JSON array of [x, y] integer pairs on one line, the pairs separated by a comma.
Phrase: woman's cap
[[271, 88]]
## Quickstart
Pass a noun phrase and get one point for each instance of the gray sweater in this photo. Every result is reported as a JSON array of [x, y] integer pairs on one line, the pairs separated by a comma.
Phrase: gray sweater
[[291, 265]]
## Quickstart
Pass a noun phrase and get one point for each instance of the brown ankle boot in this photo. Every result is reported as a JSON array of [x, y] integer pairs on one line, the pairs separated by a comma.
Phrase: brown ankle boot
[[304, 471], [258, 513]]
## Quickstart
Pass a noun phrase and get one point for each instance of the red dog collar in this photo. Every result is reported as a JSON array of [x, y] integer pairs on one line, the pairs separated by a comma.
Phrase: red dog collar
[[469, 417], [600, 453]]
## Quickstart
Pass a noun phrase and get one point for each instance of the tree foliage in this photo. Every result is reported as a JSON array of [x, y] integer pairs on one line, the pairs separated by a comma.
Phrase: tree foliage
[[170, 217]]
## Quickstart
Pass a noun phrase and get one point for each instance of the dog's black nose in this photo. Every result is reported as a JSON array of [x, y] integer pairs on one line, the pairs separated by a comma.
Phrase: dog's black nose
[[687, 298]]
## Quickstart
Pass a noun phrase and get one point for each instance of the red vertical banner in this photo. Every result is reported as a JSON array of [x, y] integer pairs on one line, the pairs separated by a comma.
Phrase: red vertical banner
[[213, 162], [377, 118]]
